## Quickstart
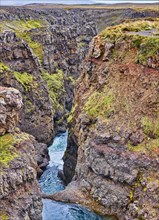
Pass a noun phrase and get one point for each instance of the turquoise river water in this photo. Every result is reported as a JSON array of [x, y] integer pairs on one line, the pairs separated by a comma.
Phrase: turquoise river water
[[51, 183]]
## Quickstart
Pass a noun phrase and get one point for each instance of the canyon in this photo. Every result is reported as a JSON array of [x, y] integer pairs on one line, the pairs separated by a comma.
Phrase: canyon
[[102, 67]]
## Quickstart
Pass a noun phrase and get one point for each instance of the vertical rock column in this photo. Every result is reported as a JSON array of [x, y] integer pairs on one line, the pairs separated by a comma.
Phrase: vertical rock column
[[19, 191]]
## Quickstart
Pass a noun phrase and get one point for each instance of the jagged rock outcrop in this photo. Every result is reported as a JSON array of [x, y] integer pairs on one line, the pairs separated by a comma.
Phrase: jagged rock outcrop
[[19, 191], [58, 39], [56, 50], [10, 104], [114, 131], [22, 71]]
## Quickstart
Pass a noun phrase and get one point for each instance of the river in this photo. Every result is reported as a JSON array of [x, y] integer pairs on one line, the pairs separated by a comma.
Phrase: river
[[51, 183]]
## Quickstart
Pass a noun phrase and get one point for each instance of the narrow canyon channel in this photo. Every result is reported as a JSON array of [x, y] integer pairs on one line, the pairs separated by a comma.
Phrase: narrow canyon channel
[[51, 183]]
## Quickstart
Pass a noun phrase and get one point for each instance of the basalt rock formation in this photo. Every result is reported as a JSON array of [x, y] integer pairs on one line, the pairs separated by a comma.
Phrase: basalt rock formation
[[48, 50], [113, 147], [114, 134], [22, 72], [49, 47], [19, 191]]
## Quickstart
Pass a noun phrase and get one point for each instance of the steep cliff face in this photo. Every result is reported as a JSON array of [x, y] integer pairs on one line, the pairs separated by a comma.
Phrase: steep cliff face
[[19, 190], [20, 69], [49, 46], [57, 42], [114, 126]]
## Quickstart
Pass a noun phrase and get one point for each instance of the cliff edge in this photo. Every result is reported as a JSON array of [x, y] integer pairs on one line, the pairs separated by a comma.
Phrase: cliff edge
[[113, 147]]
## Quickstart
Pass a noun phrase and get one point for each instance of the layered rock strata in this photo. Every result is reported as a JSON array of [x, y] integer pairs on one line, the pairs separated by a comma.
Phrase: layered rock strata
[[113, 147]]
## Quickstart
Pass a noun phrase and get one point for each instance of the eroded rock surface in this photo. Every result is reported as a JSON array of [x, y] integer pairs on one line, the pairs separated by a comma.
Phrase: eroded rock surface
[[36, 116], [10, 104], [19, 191], [114, 136], [53, 46]]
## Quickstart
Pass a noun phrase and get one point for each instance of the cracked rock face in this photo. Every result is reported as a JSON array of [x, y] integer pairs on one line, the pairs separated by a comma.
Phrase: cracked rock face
[[36, 111], [19, 191], [10, 104], [113, 146]]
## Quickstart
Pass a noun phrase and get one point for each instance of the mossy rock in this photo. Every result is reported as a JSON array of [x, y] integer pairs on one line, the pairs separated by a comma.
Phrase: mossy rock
[[3, 215], [35, 46], [7, 150], [29, 106], [150, 146], [4, 67], [56, 87], [146, 46], [22, 29], [99, 104], [22, 25], [150, 126], [25, 79]]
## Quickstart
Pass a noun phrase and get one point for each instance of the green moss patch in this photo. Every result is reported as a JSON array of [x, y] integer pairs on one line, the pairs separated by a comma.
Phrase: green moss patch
[[56, 87], [150, 126], [35, 46], [7, 151], [3, 67], [29, 106], [21, 25], [70, 118], [3, 215], [147, 46], [99, 104], [150, 146], [129, 26], [25, 79], [22, 29]]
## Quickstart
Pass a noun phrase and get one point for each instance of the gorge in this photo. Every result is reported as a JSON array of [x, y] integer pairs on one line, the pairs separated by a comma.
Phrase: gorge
[[95, 72]]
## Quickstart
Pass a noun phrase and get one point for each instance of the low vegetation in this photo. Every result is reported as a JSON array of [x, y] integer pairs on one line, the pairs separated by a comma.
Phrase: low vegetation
[[25, 79], [3, 215], [21, 25], [7, 150], [147, 46], [99, 104], [35, 46], [150, 127], [3, 67], [149, 146], [22, 29], [56, 87]]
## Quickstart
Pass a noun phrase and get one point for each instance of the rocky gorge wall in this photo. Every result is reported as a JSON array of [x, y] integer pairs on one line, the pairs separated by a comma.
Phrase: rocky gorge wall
[[113, 146], [42, 52], [49, 56], [57, 42], [19, 191]]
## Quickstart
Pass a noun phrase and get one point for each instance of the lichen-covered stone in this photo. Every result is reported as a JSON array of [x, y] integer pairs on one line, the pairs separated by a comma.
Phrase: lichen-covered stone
[[10, 104]]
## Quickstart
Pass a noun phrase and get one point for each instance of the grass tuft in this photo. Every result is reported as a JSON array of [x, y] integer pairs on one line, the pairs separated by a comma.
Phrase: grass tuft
[[25, 79]]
